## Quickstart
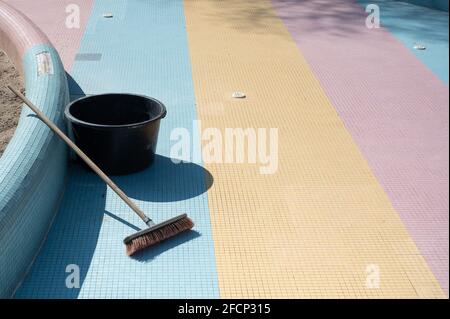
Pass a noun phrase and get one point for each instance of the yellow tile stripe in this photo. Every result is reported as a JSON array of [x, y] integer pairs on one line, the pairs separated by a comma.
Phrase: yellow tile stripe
[[322, 223]]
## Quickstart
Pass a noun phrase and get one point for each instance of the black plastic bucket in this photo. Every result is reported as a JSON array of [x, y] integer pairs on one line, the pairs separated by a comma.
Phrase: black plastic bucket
[[119, 132]]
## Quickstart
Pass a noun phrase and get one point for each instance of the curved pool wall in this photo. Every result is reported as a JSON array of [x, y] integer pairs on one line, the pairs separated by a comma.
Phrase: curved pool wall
[[33, 166]]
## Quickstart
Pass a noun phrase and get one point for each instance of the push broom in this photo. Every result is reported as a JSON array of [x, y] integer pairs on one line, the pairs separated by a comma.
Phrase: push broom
[[155, 233]]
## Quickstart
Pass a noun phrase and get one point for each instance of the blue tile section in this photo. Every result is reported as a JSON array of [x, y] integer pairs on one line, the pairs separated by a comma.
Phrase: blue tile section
[[413, 23], [143, 50], [32, 172], [433, 4]]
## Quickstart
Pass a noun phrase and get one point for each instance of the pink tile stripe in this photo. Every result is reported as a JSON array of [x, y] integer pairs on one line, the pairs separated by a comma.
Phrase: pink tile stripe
[[396, 110], [50, 16]]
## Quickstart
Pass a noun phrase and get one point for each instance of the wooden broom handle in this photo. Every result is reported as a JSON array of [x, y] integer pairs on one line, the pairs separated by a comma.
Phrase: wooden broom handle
[[83, 156]]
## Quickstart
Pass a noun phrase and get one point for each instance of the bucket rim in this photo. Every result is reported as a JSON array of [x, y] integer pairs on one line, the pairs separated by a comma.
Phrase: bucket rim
[[73, 119]]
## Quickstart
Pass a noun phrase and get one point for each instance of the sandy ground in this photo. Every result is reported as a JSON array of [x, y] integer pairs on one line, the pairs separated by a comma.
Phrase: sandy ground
[[10, 106]]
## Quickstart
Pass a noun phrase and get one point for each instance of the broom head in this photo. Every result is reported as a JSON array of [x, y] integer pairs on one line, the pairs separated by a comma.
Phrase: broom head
[[158, 233]]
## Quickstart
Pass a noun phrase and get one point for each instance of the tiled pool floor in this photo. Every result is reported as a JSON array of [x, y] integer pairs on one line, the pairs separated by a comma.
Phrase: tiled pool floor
[[356, 201]]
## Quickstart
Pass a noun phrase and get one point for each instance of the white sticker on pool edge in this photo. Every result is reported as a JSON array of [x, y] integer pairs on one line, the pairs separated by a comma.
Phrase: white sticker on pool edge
[[44, 63]]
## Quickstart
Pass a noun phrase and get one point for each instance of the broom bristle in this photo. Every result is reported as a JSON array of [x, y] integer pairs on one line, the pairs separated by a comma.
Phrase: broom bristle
[[158, 235]]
